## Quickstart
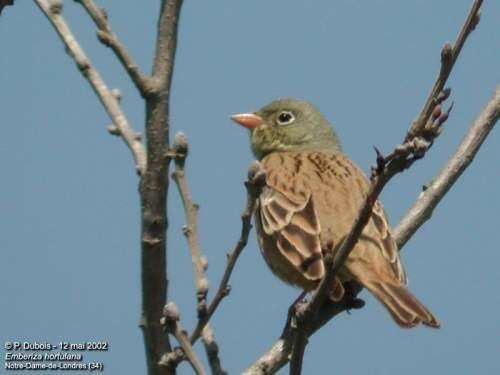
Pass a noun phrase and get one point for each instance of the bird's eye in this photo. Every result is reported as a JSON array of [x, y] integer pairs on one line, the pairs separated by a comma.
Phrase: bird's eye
[[285, 118]]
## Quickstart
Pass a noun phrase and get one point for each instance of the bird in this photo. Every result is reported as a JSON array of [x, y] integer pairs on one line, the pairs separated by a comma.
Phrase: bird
[[311, 195]]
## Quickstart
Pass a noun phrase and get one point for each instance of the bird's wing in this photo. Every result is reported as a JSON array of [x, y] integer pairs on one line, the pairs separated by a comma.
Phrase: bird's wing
[[311, 199], [288, 215]]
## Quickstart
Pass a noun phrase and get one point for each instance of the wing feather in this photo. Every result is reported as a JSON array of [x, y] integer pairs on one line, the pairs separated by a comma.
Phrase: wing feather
[[295, 227], [388, 246]]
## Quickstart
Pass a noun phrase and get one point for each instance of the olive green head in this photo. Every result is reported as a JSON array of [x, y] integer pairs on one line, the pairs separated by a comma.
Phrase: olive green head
[[288, 124]]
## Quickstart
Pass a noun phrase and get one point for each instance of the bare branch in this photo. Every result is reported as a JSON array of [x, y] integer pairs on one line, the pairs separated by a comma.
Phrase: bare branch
[[434, 191], [52, 10], [298, 350], [107, 37], [256, 178], [279, 353], [254, 184], [190, 230], [200, 263], [152, 165], [449, 55], [173, 326], [212, 350], [154, 188], [166, 42]]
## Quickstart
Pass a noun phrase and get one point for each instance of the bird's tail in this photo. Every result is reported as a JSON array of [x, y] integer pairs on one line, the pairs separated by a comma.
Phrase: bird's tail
[[404, 308]]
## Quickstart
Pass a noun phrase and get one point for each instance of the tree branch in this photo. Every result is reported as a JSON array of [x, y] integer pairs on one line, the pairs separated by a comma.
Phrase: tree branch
[[53, 10], [434, 191], [190, 230], [166, 42], [199, 262], [449, 55], [255, 182], [279, 353], [173, 326], [152, 166], [212, 351], [256, 179], [107, 37], [298, 351], [154, 188]]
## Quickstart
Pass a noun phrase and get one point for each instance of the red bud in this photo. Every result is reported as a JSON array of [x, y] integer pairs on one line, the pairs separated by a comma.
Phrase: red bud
[[436, 113]]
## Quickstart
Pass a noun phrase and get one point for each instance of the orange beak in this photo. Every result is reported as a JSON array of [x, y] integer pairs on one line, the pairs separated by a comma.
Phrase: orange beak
[[247, 120]]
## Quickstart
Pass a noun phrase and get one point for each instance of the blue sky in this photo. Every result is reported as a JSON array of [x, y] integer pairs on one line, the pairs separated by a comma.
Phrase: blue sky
[[69, 231]]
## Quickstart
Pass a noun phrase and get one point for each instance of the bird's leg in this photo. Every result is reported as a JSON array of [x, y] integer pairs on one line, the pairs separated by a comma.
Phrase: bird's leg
[[352, 302]]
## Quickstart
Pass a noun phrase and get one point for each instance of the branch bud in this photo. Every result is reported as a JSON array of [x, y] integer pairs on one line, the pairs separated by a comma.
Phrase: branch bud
[[104, 37], [475, 20], [202, 288], [443, 95], [180, 144], [204, 262], [117, 94], [56, 6], [436, 113], [171, 312], [104, 13], [445, 115], [113, 130], [446, 54], [256, 173]]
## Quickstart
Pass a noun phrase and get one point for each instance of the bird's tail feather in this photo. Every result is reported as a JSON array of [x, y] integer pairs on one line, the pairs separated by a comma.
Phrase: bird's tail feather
[[404, 308]]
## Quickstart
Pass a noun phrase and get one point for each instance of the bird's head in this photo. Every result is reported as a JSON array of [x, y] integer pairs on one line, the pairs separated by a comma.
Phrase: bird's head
[[288, 124]]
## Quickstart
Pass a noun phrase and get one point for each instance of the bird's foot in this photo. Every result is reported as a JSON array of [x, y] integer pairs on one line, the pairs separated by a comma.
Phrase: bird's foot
[[352, 302]]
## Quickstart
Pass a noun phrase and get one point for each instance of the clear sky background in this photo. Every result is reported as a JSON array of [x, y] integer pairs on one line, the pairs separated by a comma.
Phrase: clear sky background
[[69, 223]]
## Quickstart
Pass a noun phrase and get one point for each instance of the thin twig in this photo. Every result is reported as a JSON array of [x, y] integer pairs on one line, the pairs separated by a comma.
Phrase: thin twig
[[190, 230], [52, 11], [180, 152], [422, 209], [278, 354], [107, 37], [212, 350], [173, 326], [256, 179], [449, 55], [255, 182]]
